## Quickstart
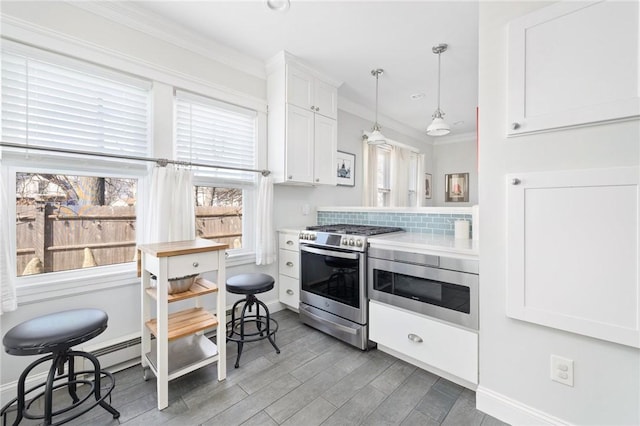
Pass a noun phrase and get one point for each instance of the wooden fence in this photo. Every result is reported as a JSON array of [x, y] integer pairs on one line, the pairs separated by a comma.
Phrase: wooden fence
[[53, 238]]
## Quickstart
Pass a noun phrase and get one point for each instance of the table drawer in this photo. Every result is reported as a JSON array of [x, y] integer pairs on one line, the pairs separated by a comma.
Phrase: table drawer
[[445, 347], [179, 266], [289, 263]]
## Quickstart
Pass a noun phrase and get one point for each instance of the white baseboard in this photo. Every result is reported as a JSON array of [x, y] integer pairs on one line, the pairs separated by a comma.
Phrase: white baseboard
[[511, 411]]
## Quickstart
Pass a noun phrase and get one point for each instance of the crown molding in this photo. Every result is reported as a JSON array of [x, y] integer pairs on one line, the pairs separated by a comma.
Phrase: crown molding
[[27, 32], [361, 111], [156, 26], [457, 138]]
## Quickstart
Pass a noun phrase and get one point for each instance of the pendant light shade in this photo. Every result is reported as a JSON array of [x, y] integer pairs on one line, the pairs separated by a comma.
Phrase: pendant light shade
[[438, 126], [376, 137]]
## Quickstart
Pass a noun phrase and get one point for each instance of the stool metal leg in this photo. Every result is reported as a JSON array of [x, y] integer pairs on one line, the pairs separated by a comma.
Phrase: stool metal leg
[[72, 379], [97, 389], [268, 322]]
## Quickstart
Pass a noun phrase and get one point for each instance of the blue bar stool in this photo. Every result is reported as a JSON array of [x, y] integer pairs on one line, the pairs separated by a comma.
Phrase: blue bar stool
[[56, 334], [265, 327]]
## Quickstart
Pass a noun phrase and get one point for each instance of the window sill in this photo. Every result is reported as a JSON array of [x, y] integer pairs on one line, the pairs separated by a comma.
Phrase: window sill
[[58, 285], [239, 259]]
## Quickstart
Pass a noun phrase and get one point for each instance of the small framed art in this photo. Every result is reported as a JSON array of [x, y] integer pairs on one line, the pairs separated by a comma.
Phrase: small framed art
[[346, 168], [456, 187], [427, 185]]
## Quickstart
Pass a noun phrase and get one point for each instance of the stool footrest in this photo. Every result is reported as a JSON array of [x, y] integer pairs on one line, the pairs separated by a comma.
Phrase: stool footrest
[[259, 333]]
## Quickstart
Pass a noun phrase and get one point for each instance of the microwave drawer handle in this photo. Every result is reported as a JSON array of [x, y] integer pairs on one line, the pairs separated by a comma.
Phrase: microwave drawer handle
[[333, 324], [415, 338], [330, 253]]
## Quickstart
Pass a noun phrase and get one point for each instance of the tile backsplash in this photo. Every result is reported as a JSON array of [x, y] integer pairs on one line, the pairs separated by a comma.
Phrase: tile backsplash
[[429, 223]]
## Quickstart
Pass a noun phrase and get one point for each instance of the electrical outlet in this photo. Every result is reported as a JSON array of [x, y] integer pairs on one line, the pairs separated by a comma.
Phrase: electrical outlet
[[562, 370]]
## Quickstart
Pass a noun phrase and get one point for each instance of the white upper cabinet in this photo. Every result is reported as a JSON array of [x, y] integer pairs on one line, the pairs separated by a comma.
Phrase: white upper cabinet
[[303, 128], [573, 63], [312, 93]]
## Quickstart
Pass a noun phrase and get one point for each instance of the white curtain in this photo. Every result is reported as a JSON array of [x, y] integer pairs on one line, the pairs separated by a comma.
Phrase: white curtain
[[370, 176], [265, 233], [420, 188], [400, 176], [8, 298], [171, 206]]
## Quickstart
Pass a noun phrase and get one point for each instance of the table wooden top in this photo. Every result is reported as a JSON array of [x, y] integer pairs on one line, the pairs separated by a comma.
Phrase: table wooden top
[[177, 248]]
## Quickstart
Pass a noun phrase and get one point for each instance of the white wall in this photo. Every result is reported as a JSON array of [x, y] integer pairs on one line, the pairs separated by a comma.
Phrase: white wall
[[514, 355], [455, 156]]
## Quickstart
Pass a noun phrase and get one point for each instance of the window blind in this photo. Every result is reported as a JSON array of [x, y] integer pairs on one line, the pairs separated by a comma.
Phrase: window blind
[[58, 102], [215, 133]]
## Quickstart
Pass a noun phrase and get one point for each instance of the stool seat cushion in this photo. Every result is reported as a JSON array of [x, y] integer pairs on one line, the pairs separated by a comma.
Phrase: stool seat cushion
[[55, 332], [251, 283]]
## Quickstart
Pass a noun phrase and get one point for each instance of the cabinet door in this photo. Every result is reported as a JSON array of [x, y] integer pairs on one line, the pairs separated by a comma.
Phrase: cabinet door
[[572, 251], [325, 99], [299, 145], [326, 143], [300, 87], [573, 63]]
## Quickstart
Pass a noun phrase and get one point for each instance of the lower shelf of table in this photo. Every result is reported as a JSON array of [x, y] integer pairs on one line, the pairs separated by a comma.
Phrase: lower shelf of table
[[184, 355]]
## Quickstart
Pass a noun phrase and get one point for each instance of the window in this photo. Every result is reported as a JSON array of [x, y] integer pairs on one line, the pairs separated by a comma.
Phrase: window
[[384, 176], [391, 175], [67, 222], [71, 211], [209, 132]]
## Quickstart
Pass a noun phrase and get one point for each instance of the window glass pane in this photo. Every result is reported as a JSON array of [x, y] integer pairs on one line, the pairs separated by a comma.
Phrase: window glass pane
[[66, 222], [219, 214]]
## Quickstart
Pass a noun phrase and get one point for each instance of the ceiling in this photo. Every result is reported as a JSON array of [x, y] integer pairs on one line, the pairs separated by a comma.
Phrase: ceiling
[[347, 39]]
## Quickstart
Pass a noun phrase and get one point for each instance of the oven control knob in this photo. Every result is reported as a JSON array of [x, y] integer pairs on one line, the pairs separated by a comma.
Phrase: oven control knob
[[351, 242], [345, 242], [312, 237], [358, 243]]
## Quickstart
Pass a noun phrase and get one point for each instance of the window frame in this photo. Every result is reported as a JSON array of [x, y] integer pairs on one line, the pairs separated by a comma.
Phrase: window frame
[[31, 288], [249, 186]]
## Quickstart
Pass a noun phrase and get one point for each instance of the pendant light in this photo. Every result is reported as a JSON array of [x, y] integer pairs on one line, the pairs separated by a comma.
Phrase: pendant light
[[376, 137], [438, 127]]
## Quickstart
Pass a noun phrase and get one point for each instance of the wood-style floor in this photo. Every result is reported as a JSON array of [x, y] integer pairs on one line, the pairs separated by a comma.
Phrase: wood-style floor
[[315, 380]]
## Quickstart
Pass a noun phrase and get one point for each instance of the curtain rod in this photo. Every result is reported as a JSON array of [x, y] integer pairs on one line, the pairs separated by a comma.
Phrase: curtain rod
[[162, 162]]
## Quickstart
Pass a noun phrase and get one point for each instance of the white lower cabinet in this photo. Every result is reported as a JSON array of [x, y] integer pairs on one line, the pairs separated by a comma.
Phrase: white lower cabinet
[[289, 269], [427, 343]]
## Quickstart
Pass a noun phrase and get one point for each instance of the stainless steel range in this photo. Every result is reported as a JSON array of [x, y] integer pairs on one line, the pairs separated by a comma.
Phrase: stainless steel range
[[333, 279]]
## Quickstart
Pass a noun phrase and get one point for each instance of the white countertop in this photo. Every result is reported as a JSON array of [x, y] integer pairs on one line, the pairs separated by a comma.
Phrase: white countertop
[[427, 243]]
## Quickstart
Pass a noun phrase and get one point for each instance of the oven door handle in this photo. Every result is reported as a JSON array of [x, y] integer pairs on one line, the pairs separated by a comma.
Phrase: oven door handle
[[330, 253], [331, 323]]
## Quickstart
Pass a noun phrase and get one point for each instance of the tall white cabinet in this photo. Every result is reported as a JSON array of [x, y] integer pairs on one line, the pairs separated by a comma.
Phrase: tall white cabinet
[[303, 129]]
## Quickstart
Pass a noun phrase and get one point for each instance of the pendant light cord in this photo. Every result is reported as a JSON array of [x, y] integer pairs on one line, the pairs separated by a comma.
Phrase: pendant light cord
[[438, 110]]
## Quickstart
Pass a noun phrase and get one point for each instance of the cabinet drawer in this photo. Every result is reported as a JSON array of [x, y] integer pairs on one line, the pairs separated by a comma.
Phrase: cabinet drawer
[[179, 266], [288, 263], [288, 242], [445, 347], [289, 291]]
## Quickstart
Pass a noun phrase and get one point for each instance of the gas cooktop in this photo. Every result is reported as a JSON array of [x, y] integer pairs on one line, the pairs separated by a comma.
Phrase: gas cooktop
[[344, 236], [366, 230]]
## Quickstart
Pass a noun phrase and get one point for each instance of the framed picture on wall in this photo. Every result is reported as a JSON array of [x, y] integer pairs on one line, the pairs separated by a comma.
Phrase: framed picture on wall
[[346, 168], [428, 184], [456, 187]]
